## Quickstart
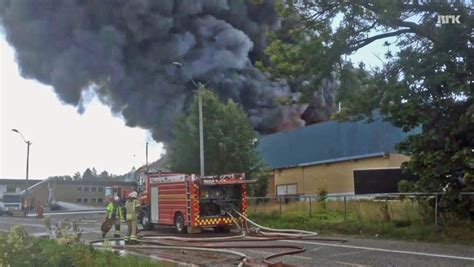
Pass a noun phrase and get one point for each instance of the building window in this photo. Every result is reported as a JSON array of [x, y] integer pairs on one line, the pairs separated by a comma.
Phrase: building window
[[100, 200], [286, 189], [93, 189], [11, 189], [86, 189], [79, 188], [101, 189], [85, 200], [79, 200], [92, 200]]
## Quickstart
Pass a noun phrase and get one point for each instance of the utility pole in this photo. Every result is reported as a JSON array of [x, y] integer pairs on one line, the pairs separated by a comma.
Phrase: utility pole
[[201, 130], [28, 144], [201, 127], [146, 156]]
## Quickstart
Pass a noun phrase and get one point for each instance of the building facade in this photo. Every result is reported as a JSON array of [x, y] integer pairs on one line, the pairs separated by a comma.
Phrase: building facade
[[91, 193], [324, 156]]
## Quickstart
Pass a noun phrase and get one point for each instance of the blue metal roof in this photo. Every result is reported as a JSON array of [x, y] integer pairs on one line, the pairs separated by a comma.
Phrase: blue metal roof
[[329, 141]]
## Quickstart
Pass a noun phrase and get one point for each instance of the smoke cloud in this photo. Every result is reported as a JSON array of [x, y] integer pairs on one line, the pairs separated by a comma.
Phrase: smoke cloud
[[123, 50]]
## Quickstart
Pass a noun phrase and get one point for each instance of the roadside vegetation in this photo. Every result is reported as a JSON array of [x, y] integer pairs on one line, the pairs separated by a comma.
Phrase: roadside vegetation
[[406, 219], [17, 248]]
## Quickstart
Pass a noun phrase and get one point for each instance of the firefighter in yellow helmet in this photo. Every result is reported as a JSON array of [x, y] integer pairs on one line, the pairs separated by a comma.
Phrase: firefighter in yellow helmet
[[132, 208]]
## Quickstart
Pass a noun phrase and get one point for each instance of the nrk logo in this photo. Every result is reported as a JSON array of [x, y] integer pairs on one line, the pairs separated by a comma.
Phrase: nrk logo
[[449, 19]]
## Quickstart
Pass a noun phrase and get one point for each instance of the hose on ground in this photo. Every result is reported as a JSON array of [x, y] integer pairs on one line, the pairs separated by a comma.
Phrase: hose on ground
[[285, 232], [256, 233], [242, 256]]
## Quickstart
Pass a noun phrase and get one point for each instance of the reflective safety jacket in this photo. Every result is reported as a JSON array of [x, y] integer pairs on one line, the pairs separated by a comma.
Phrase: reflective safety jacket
[[132, 207], [114, 211]]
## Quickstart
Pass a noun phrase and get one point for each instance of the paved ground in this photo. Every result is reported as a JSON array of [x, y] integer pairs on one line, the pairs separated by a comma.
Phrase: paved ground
[[355, 252]]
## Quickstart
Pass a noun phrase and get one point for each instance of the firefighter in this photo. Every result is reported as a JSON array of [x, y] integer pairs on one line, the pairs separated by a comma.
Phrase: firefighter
[[114, 216], [25, 207], [132, 208], [39, 209]]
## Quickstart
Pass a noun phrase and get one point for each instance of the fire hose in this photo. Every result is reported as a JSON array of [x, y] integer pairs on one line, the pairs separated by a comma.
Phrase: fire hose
[[257, 234], [281, 232]]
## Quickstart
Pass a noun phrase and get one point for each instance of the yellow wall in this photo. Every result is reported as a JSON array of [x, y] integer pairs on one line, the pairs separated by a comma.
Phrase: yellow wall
[[396, 160], [289, 176], [335, 177]]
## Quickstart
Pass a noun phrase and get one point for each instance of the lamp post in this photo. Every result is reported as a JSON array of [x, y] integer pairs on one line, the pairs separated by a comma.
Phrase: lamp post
[[201, 127], [28, 144]]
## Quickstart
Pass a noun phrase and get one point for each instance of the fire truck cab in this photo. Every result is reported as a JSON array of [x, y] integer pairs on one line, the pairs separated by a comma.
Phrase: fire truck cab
[[189, 202]]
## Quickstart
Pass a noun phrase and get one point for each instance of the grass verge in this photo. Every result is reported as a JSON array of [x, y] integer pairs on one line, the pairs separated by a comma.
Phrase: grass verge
[[17, 248], [397, 220]]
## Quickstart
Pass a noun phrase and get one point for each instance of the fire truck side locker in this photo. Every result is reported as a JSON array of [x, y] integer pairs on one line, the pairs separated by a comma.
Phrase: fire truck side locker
[[155, 209]]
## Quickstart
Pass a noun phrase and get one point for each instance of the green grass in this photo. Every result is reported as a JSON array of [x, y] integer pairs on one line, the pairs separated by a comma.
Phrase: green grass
[[392, 220], [17, 248]]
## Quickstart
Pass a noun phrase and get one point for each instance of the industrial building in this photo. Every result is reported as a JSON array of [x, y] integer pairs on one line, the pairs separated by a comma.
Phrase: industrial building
[[86, 192], [338, 157]]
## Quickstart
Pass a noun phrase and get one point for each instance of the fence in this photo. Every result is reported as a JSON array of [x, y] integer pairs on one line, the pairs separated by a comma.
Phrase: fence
[[395, 207]]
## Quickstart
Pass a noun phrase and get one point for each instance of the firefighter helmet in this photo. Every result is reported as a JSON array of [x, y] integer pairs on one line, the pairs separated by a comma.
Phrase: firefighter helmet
[[132, 195]]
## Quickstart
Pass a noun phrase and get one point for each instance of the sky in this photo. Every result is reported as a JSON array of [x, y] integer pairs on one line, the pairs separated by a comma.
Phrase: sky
[[64, 141]]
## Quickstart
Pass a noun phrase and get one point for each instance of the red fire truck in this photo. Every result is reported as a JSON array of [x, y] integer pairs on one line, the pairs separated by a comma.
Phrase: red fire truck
[[189, 202]]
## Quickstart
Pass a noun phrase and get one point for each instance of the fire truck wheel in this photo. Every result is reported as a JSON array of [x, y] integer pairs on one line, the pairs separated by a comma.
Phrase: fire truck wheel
[[145, 221], [179, 223]]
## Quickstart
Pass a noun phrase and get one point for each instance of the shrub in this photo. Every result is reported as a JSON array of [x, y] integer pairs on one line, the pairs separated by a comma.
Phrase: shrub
[[323, 195], [401, 223], [17, 248]]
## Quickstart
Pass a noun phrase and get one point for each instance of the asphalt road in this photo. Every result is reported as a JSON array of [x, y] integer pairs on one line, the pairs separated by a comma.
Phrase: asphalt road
[[355, 252]]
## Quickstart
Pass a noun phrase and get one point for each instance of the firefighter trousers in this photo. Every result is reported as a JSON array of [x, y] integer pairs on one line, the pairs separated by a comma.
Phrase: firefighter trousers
[[117, 228], [131, 231], [108, 224]]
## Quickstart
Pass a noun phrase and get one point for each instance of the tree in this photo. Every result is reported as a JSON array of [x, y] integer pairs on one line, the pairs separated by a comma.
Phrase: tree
[[77, 176], [94, 172], [88, 175], [104, 175], [229, 140], [426, 81]]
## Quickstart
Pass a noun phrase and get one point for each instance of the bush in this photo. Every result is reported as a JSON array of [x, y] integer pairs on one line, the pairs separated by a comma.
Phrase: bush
[[401, 223], [17, 248], [323, 195]]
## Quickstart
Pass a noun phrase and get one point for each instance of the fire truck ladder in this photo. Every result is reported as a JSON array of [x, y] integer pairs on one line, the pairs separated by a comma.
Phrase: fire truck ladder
[[188, 204]]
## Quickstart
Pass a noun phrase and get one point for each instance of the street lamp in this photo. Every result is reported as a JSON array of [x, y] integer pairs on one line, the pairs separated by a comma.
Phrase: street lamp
[[201, 138], [28, 143]]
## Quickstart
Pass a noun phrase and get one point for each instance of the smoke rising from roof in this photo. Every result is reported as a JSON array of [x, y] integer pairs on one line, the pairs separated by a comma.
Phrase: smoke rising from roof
[[124, 51]]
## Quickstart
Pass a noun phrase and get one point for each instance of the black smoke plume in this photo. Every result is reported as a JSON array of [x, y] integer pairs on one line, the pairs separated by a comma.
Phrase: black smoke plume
[[124, 51]]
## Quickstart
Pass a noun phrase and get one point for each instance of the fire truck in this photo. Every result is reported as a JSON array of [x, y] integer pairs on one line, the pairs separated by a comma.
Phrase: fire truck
[[189, 202]]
